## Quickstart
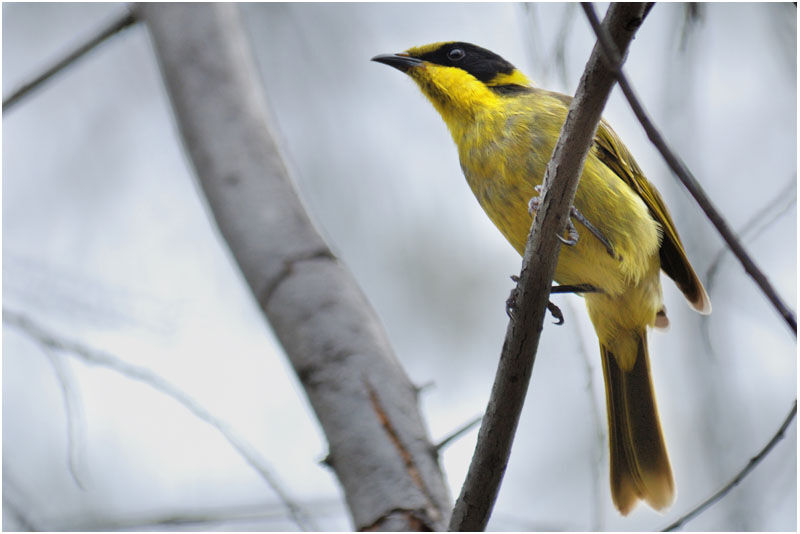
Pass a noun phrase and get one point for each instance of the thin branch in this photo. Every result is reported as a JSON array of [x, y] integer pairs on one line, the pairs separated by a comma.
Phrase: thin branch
[[12, 495], [687, 178], [119, 23], [550, 58], [757, 223], [95, 357], [75, 421], [693, 15], [760, 221], [754, 461], [560, 45], [466, 427], [208, 518], [475, 503]]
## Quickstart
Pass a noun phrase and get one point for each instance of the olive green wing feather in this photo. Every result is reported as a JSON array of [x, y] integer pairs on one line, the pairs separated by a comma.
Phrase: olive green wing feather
[[608, 148]]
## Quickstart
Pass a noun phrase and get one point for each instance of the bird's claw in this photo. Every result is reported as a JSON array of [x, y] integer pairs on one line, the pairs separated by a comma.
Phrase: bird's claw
[[572, 232], [572, 240], [592, 228], [555, 311]]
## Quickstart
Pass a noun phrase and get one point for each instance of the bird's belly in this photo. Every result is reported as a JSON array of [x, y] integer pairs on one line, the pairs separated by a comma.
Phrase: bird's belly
[[605, 200]]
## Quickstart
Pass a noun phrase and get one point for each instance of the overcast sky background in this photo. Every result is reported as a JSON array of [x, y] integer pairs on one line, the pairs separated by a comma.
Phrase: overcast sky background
[[107, 241]]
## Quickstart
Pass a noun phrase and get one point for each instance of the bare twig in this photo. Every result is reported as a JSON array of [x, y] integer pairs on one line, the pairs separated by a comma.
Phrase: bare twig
[[14, 501], [754, 461], [115, 26], [687, 178], [262, 515], [496, 435], [757, 223], [560, 46], [17, 513], [72, 409], [553, 57], [463, 429], [95, 357], [693, 15]]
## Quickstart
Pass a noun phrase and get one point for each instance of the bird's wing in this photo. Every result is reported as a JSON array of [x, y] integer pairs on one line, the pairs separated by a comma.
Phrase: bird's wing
[[609, 149]]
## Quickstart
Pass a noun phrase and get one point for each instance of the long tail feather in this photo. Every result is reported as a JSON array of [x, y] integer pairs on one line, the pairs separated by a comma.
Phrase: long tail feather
[[639, 464]]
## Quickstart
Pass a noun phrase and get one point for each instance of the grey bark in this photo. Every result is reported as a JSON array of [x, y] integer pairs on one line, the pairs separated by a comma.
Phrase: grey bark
[[379, 446]]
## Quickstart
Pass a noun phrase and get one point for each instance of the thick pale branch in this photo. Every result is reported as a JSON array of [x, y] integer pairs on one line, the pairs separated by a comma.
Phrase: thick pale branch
[[379, 446], [496, 435]]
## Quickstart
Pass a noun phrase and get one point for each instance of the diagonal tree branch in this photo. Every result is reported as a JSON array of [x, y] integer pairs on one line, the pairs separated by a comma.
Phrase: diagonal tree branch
[[754, 461], [759, 221], [496, 435], [687, 178], [121, 22], [379, 447]]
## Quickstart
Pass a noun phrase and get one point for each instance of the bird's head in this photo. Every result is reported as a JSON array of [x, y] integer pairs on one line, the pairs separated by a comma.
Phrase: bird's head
[[458, 77]]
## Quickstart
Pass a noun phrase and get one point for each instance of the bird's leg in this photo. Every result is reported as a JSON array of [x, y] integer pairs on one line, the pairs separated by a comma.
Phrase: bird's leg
[[577, 288], [533, 205], [597, 233], [555, 311]]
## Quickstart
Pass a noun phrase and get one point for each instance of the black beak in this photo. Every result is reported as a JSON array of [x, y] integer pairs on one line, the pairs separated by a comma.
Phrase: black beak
[[399, 61]]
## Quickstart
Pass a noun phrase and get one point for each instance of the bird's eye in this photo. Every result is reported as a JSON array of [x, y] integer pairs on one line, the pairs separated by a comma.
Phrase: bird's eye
[[455, 54]]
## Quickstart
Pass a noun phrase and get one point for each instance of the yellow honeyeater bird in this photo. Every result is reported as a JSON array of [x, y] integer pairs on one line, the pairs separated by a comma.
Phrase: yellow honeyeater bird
[[506, 130]]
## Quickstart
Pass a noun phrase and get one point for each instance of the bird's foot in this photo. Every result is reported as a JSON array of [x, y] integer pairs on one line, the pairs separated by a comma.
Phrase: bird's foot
[[572, 232], [555, 311]]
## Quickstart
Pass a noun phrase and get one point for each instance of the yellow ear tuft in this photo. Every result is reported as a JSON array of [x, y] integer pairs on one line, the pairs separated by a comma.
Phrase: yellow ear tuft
[[514, 78]]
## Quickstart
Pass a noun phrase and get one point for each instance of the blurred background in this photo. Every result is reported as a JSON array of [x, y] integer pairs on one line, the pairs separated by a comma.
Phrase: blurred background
[[107, 242]]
